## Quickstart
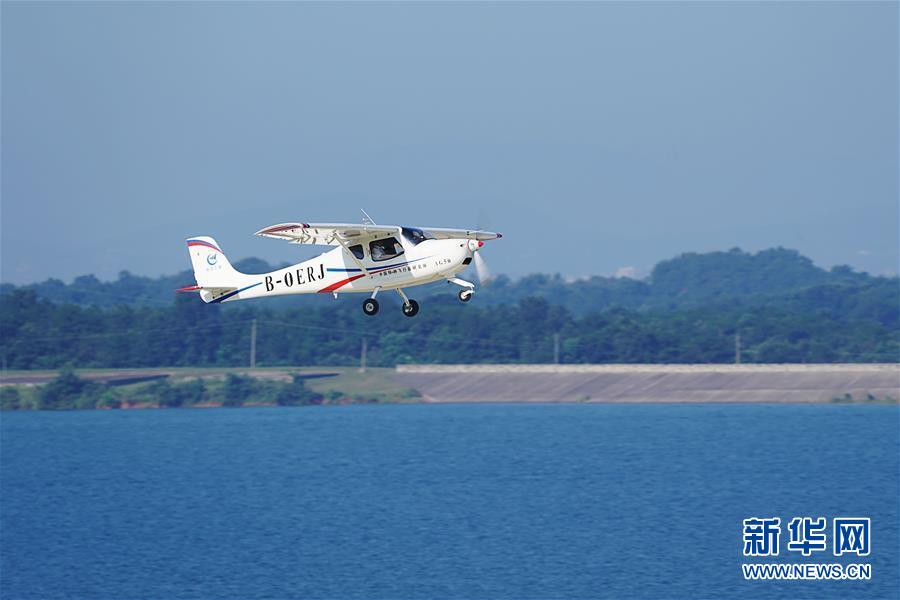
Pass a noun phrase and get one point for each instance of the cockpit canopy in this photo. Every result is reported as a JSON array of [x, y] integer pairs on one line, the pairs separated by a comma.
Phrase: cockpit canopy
[[414, 235]]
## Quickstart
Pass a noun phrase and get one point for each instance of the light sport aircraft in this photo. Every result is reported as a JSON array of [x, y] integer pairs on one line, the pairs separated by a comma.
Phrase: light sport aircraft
[[367, 258]]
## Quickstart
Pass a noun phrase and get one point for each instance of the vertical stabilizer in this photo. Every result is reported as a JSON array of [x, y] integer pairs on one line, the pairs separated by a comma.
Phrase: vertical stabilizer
[[211, 267]]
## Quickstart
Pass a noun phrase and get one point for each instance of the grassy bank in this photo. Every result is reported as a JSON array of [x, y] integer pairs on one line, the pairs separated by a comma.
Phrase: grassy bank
[[192, 387]]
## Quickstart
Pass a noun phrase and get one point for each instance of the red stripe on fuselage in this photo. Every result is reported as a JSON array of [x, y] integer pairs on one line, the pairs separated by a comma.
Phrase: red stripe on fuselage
[[341, 283]]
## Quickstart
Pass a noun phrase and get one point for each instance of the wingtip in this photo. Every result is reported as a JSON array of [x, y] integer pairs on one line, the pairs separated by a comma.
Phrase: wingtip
[[281, 227]]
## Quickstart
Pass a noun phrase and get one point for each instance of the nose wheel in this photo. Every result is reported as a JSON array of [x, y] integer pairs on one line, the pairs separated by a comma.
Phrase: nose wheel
[[370, 306], [467, 291], [411, 308]]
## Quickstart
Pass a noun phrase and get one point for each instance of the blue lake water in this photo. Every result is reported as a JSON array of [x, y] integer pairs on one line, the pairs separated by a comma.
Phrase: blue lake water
[[435, 501]]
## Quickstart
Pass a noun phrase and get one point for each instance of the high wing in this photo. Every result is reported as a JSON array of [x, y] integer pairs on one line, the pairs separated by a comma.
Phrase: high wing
[[472, 234], [327, 234], [342, 234]]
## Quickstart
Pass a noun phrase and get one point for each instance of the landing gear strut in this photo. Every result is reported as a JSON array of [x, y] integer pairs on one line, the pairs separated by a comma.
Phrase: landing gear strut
[[467, 291], [410, 307], [370, 305]]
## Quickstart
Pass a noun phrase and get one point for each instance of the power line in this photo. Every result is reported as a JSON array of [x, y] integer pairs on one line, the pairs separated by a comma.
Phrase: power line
[[129, 301], [433, 337], [320, 328], [130, 331], [362, 333]]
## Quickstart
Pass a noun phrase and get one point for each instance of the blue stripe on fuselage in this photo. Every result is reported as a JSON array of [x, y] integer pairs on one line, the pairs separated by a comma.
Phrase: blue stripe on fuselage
[[376, 269], [230, 294]]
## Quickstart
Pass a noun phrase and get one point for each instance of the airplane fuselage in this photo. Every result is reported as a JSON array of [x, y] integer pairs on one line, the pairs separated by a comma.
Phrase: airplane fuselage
[[338, 271]]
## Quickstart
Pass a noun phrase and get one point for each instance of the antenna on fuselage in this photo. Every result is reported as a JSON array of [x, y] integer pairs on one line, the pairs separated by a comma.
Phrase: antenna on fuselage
[[366, 218]]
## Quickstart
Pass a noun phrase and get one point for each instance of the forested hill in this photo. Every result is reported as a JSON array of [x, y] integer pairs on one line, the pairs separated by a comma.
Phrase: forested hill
[[687, 281], [692, 309]]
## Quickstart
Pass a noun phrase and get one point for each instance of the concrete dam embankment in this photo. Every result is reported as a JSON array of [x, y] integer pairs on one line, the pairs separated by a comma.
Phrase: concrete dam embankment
[[791, 383]]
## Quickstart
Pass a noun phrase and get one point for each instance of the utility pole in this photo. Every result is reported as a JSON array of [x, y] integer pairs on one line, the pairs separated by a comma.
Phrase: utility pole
[[555, 348], [253, 345], [737, 348], [362, 355]]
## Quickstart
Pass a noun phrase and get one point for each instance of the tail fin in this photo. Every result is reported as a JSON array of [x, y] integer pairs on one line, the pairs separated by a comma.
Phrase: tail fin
[[211, 267]]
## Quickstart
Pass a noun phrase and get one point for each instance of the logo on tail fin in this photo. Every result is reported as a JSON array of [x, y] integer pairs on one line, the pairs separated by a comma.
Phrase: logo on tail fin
[[211, 259]]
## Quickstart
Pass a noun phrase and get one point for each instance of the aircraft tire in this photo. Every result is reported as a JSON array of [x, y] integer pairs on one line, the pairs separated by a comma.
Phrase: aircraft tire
[[411, 309], [465, 295], [370, 306]]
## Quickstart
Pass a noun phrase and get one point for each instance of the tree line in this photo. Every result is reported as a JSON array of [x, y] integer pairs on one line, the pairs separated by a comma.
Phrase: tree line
[[826, 323], [686, 281], [69, 392]]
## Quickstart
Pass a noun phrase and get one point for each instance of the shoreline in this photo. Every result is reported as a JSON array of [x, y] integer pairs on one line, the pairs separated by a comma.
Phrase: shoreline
[[869, 383]]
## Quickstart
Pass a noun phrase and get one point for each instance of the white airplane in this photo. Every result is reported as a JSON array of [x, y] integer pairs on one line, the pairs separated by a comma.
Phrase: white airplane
[[368, 258]]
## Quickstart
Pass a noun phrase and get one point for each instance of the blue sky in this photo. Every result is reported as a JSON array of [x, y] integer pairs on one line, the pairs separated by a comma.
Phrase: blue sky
[[595, 136]]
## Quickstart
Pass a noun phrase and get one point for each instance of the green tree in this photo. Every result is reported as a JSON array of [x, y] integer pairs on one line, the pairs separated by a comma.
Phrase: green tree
[[296, 394], [109, 399], [192, 392], [165, 394], [10, 398], [62, 392], [68, 391], [238, 389]]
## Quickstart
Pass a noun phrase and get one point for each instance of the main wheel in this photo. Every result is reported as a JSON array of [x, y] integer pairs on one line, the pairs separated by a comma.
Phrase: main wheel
[[411, 309], [370, 306], [465, 295]]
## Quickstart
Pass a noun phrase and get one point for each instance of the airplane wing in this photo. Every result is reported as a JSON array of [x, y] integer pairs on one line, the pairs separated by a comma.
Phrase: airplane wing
[[472, 234], [327, 234]]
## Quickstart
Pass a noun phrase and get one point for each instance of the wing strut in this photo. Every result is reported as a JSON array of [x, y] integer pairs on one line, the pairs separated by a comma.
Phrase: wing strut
[[353, 256]]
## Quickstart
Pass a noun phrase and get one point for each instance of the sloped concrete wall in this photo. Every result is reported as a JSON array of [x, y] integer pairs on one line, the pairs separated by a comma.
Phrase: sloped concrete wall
[[649, 383]]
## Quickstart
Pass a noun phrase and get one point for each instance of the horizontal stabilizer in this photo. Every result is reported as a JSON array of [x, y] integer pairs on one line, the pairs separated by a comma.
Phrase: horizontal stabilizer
[[211, 294]]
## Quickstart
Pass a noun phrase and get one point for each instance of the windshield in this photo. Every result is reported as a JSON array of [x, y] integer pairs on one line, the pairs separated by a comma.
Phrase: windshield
[[414, 235], [385, 249]]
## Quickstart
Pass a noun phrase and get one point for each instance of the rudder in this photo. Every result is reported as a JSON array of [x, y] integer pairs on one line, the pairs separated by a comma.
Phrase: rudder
[[211, 268]]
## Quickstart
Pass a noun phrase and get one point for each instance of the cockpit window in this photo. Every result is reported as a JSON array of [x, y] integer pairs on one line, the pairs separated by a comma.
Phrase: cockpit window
[[416, 236], [385, 249], [357, 251]]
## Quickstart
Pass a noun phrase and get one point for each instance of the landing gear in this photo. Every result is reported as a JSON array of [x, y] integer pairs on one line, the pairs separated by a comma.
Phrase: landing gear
[[370, 306], [411, 308], [467, 291]]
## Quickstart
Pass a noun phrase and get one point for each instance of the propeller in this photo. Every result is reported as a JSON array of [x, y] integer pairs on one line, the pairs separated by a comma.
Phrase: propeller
[[481, 269]]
